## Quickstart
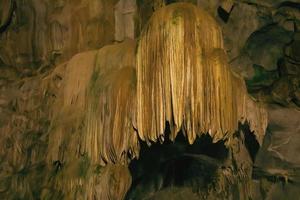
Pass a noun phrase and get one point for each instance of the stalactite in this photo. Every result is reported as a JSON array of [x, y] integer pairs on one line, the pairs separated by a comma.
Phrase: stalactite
[[92, 123], [183, 78], [110, 134], [69, 108]]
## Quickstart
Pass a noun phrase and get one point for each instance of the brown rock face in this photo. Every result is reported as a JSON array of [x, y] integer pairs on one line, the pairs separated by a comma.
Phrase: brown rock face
[[6, 10], [52, 31], [108, 99]]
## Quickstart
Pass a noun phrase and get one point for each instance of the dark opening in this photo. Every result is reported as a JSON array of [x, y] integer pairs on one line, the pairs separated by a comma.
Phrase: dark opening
[[170, 1], [4, 26], [223, 14], [175, 164], [290, 4], [1, 63], [251, 142]]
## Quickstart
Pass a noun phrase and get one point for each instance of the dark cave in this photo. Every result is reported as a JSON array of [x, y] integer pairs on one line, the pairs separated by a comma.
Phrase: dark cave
[[176, 164]]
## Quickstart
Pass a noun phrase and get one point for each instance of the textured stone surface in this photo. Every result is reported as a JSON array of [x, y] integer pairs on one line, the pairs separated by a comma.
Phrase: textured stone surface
[[283, 139], [266, 46], [244, 19], [39, 37], [125, 11], [6, 9], [278, 160], [41, 31]]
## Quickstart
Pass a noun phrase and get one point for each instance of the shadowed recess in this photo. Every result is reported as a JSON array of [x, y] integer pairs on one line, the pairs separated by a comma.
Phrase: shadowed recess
[[176, 164]]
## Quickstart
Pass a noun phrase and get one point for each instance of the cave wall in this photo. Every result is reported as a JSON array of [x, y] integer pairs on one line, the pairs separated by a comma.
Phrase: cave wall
[[41, 32], [37, 38]]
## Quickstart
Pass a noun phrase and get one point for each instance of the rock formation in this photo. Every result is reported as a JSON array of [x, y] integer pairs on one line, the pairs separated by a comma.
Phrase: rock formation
[[87, 112], [191, 86]]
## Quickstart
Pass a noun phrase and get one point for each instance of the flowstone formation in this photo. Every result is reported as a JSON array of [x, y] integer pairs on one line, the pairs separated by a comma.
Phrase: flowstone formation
[[91, 132], [184, 79], [94, 114]]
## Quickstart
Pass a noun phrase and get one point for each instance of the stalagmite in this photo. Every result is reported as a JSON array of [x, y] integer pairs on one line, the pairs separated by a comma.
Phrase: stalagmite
[[183, 78]]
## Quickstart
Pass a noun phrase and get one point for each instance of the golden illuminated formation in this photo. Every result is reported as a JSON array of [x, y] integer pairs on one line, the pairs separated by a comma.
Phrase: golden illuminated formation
[[111, 98], [183, 78], [92, 122], [110, 105], [70, 131]]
